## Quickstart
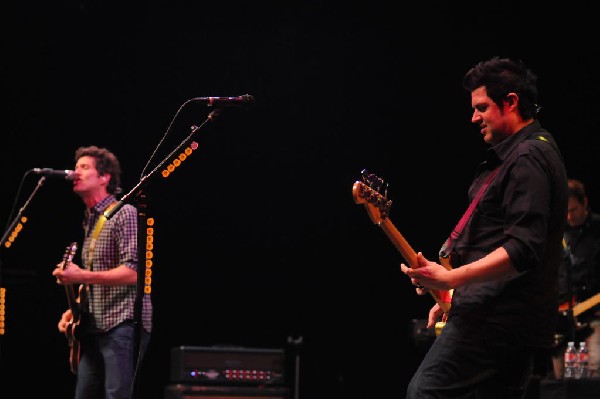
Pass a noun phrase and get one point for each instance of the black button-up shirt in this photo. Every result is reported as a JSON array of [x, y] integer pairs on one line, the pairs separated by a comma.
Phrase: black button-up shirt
[[524, 210]]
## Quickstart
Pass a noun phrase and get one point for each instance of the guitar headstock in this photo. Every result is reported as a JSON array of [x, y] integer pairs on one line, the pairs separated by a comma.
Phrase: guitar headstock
[[70, 252], [368, 191]]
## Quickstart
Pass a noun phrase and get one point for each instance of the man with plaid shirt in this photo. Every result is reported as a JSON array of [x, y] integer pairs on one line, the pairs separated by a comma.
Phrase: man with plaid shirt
[[105, 330]]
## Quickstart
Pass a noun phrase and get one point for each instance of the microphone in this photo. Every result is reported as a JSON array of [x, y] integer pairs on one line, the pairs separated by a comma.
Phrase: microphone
[[226, 101], [67, 174]]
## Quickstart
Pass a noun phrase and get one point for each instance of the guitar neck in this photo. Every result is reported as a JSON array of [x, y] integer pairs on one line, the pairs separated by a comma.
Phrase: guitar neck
[[586, 305], [442, 297], [69, 289], [72, 300], [399, 242]]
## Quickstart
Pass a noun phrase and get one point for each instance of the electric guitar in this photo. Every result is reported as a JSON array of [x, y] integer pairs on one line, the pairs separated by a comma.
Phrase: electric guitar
[[74, 301], [367, 192], [567, 322]]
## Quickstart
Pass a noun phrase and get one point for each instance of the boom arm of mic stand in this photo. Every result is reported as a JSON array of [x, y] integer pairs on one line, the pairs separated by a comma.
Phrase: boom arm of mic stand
[[211, 117], [141, 272], [136, 189]]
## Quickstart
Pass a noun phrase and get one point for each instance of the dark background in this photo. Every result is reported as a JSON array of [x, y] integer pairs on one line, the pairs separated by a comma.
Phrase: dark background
[[258, 238]]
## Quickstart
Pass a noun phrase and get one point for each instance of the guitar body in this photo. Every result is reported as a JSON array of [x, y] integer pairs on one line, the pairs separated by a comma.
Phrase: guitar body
[[367, 192], [568, 325], [74, 346], [74, 301]]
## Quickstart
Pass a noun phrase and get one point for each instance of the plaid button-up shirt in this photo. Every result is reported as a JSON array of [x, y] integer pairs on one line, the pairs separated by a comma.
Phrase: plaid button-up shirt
[[115, 245]]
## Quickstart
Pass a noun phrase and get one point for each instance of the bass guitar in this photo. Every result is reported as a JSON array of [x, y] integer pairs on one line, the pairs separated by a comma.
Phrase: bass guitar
[[74, 301], [368, 193]]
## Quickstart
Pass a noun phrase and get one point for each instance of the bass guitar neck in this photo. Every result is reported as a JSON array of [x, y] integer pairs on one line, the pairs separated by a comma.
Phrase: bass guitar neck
[[442, 297], [367, 192]]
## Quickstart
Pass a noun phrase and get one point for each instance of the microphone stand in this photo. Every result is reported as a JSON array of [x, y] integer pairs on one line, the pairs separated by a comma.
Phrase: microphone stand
[[572, 323], [14, 223], [20, 213], [141, 205], [296, 343]]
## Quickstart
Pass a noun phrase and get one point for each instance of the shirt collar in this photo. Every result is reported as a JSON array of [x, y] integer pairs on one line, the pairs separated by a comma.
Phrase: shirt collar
[[499, 152], [102, 205]]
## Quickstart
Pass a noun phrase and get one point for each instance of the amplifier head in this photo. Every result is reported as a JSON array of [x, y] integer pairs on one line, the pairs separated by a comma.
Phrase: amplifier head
[[227, 365]]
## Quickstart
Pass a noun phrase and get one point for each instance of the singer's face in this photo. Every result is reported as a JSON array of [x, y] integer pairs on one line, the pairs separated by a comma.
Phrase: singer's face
[[88, 182]]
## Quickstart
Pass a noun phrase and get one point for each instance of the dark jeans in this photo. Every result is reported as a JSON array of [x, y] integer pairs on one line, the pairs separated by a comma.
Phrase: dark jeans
[[472, 359], [106, 366]]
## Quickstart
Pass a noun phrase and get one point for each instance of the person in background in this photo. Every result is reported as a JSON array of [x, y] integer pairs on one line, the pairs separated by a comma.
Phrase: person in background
[[579, 281], [106, 329], [505, 262]]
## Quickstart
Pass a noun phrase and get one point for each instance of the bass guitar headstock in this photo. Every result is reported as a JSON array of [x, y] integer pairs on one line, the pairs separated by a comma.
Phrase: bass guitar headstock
[[371, 191]]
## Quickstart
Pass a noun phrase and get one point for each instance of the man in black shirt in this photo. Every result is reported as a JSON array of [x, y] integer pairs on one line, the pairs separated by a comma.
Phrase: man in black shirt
[[579, 281], [504, 303]]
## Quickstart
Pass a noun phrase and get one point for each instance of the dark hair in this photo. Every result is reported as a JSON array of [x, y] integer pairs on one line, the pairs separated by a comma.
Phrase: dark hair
[[577, 190], [502, 76], [106, 163]]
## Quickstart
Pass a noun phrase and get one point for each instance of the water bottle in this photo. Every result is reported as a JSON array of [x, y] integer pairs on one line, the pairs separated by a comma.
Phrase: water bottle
[[582, 360], [571, 360]]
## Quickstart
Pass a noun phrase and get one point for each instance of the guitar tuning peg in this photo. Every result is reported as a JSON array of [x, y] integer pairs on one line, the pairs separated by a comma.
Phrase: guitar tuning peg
[[375, 182], [365, 176], [372, 180]]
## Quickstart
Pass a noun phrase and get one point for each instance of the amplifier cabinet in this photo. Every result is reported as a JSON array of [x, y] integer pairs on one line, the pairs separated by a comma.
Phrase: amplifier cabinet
[[218, 365], [183, 391], [583, 388]]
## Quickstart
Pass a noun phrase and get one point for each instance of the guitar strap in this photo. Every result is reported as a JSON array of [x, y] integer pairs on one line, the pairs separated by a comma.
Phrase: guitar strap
[[449, 244], [97, 228], [446, 250]]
